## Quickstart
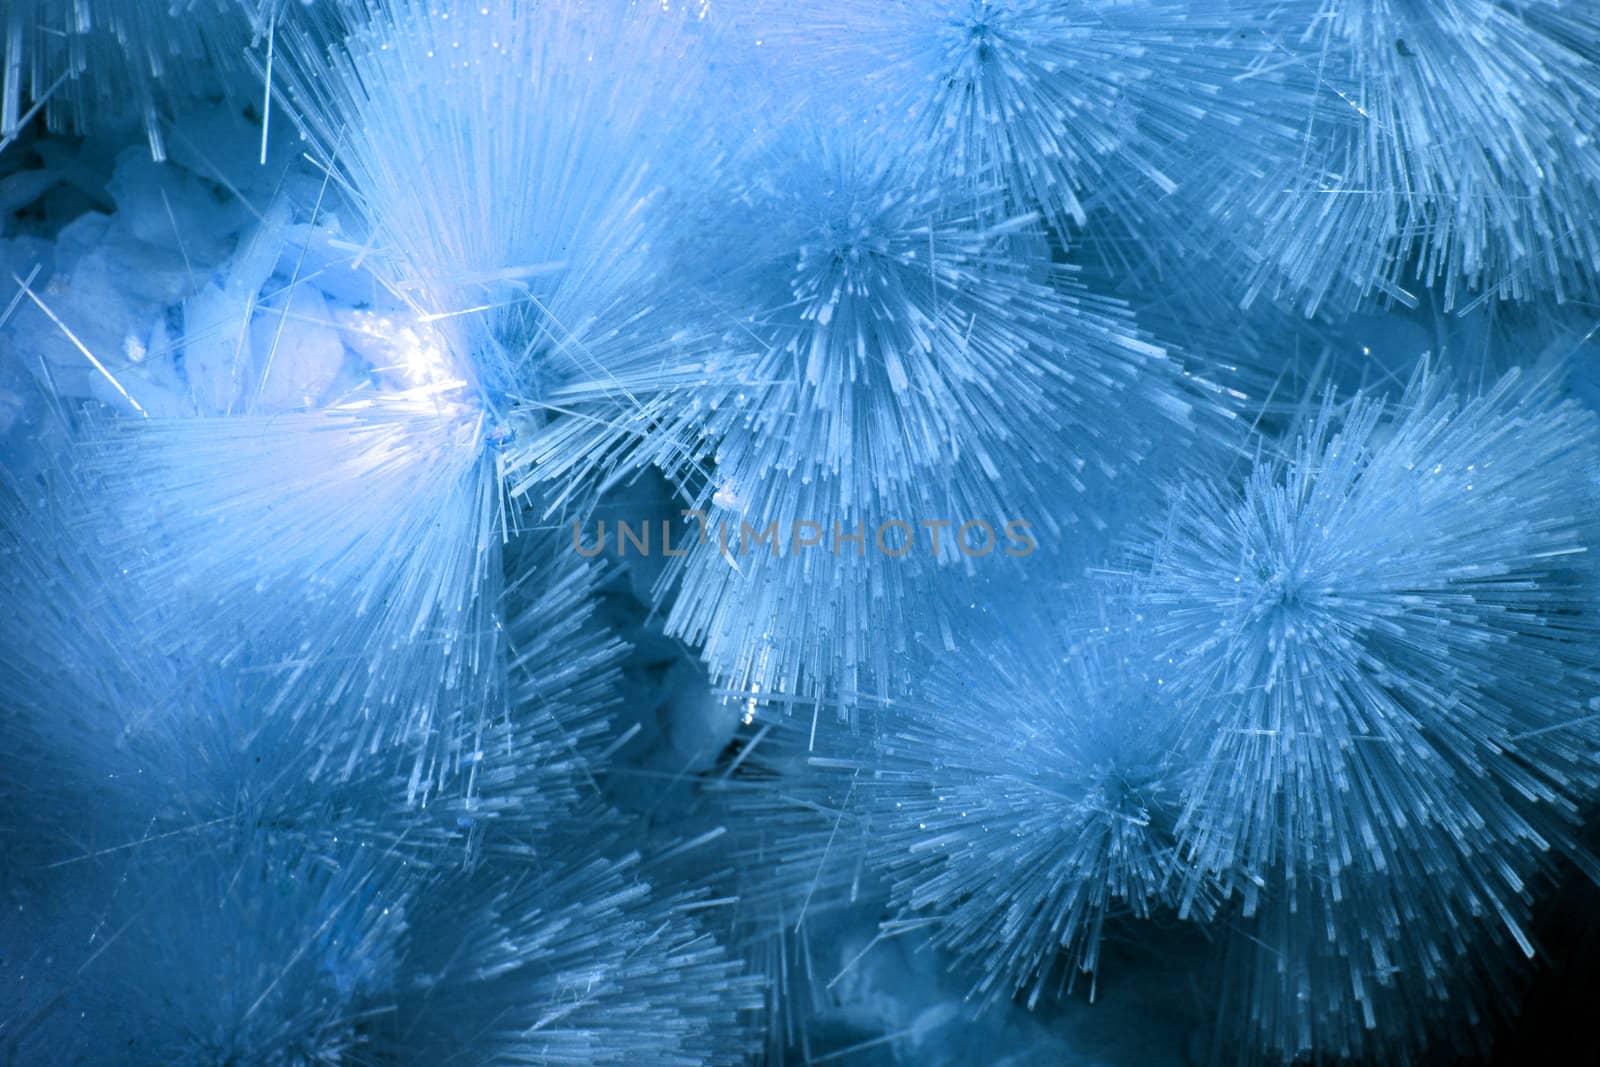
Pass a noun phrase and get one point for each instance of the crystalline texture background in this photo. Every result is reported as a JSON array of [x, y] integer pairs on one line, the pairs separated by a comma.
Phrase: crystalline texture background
[[857, 531]]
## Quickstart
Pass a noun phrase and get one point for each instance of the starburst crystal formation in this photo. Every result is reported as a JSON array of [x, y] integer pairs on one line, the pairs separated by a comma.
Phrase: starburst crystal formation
[[1441, 144], [1381, 641], [897, 352], [1026, 798]]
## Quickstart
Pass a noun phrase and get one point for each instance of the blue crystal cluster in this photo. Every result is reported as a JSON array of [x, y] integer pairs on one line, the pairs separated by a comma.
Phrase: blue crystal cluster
[[744, 531]]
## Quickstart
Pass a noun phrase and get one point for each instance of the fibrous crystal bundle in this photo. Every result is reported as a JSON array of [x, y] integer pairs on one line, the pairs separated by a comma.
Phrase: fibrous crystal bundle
[[724, 531]]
